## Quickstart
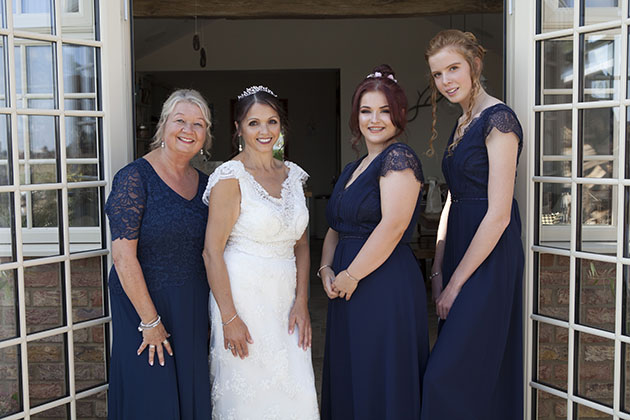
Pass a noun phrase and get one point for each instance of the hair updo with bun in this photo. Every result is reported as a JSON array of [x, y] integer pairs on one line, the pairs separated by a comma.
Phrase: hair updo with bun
[[382, 79]]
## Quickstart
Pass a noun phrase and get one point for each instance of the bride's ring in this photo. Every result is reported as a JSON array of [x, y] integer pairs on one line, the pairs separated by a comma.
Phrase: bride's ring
[[230, 346]]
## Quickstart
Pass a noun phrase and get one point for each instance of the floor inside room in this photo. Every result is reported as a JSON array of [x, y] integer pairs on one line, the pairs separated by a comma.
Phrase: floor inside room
[[318, 304]]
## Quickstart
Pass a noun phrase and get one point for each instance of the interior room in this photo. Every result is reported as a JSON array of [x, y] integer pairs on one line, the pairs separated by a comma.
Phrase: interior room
[[314, 65]]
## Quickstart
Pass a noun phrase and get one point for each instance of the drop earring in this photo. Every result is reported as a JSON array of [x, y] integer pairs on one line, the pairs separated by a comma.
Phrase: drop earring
[[162, 145]]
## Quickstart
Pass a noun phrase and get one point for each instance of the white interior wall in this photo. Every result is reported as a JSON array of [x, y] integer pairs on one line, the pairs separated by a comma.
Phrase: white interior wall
[[354, 46]]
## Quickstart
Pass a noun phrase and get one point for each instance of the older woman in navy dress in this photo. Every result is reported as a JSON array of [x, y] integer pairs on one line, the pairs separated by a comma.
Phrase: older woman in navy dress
[[158, 281], [475, 369], [376, 332]]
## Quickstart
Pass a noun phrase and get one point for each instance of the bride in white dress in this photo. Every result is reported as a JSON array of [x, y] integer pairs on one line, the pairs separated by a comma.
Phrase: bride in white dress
[[257, 260]]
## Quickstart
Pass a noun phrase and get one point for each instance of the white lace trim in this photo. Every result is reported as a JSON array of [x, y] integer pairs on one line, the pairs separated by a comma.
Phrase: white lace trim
[[234, 169]]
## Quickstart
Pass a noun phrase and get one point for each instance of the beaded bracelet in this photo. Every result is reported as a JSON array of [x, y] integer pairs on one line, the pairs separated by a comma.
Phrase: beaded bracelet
[[150, 325]]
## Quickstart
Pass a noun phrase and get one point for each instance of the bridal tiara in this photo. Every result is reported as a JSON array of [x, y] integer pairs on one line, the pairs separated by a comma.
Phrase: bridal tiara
[[255, 89]]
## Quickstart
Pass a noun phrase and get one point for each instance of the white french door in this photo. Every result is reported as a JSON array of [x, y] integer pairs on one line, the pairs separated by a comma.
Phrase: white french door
[[65, 127], [569, 84]]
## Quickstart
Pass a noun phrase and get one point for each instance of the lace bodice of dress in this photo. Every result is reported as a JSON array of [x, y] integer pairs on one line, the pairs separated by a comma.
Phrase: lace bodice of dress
[[267, 226]]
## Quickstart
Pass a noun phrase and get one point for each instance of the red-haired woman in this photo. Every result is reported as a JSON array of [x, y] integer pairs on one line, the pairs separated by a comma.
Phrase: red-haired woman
[[376, 334], [475, 371]]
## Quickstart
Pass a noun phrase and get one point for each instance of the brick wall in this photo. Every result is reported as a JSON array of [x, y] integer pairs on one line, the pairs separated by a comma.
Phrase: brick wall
[[47, 367], [595, 355]]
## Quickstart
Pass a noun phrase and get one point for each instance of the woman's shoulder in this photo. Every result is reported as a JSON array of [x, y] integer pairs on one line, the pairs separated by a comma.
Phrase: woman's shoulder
[[399, 148], [296, 171], [400, 156], [503, 118], [229, 169], [135, 170]]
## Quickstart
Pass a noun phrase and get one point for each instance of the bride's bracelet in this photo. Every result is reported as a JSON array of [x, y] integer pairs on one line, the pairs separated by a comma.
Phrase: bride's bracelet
[[319, 272], [230, 320]]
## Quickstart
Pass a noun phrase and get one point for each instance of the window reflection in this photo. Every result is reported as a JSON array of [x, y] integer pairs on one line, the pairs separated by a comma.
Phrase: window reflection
[[557, 62], [601, 65]]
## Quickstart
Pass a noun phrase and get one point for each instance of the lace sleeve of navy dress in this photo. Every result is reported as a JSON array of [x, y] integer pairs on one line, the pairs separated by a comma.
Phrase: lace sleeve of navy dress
[[228, 170], [504, 120], [125, 204], [400, 157]]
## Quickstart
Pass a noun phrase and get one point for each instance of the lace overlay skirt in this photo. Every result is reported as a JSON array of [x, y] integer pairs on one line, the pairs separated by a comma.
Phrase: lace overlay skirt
[[276, 381]]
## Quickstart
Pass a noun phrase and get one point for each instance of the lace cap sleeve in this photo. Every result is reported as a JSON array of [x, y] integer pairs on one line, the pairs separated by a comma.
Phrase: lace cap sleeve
[[504, 120], [400, 157], [125, 204], [227, 170], [297, 173]]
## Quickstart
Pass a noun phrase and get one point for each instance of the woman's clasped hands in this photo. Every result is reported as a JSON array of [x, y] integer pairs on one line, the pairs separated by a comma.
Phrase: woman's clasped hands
[[341, 285]]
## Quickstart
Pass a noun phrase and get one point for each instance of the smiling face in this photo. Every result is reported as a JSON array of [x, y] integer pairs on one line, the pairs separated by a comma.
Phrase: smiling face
[[260, 128], [452, 76], [185, 129], [375, 120]]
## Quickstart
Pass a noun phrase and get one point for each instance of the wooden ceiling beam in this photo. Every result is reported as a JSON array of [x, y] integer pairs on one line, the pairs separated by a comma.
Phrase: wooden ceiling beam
[[311, 9]]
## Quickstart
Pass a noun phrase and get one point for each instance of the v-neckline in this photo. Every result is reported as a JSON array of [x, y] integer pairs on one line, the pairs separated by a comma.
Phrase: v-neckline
[[474, 120], [169, 187], [263, 189], [358, 162]]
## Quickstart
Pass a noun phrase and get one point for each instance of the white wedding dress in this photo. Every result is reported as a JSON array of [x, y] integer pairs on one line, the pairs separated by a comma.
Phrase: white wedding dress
[[275, 382]]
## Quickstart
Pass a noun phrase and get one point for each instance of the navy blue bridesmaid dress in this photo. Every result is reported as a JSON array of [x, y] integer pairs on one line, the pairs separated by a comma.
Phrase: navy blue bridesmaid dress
[[475, 371], [170, 231], [377, 342]]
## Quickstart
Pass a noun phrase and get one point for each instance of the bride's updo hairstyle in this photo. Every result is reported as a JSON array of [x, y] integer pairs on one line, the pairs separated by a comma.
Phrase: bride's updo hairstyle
[[257, 95], [466, 45], [382, 79]]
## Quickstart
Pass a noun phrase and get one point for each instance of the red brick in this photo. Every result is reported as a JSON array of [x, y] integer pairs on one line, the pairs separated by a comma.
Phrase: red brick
[[548, 278], [602, 317], [36, 318], [45, 297], [594, 353], [46, 372], [46, 391], [96, 298], [91, 353], [562, 297], [98, 334], [600, 296], [552, 352], [86, 279], [38, 352], [80, 297], [596, 371], [48, 278]]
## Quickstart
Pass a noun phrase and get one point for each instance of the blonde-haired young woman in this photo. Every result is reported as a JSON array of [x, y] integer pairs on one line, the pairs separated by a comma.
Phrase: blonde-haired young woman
[[475, 369]]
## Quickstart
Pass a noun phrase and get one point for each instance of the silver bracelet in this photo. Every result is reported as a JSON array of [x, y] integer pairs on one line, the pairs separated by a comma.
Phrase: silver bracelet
[[319, 272], [351, 276], [150, 325], [230, 320], [437, 273]]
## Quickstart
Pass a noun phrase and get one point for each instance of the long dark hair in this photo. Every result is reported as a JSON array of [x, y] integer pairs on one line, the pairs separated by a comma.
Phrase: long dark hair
[[244, 104]]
